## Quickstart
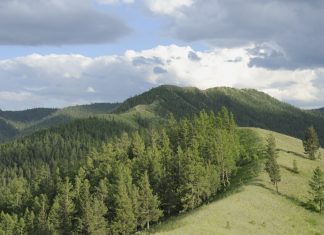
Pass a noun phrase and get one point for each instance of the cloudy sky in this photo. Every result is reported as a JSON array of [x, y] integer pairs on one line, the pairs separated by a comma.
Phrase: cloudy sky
[[56, 53]]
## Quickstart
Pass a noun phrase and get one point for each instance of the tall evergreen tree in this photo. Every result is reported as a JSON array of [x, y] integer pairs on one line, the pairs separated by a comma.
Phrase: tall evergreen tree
[[63, 208], [137, 147], [92, 211], [317, 188], [41, 206], [272, 166], [148, 203], [192, 176], [124, 221], [311, 143]]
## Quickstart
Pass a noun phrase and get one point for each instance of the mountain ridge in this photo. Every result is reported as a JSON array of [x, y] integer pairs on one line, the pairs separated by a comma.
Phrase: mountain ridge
[[252, 108]]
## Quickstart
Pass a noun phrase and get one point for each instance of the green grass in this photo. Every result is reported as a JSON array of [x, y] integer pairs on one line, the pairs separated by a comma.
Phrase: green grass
[[256, 208]]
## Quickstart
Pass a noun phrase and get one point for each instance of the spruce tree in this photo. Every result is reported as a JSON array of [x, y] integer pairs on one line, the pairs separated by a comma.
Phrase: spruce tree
[[311, 143], [272, 166], [192, 178], [137, 147], [61, 214], [29, 218], [317, 188], [41, 205], [148, 203], [92, 211], [124, 221]]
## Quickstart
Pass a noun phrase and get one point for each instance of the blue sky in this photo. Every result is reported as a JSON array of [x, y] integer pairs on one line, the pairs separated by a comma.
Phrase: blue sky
[[56, 53]]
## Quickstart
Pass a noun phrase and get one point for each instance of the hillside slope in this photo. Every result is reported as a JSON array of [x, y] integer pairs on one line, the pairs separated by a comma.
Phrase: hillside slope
[[256, 208], [251, 108]]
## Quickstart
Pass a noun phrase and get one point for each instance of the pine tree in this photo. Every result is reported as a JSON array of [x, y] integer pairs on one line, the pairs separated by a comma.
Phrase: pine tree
[[272, 166], [137, 147], [317, 188], [169, 183], [192, 176], [148, 203], [61, 214], [29, 217], [311, 143], [124, 221], [92, 211], [41, 208]]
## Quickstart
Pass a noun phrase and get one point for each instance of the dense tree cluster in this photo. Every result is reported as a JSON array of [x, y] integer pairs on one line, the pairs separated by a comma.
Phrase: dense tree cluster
[[125, 184]]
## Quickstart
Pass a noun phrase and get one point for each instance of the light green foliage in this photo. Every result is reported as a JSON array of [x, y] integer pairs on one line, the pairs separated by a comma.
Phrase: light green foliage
[[11, 224], [13, 194]]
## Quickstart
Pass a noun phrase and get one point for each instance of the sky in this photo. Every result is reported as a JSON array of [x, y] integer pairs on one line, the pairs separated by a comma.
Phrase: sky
[[57, 53]]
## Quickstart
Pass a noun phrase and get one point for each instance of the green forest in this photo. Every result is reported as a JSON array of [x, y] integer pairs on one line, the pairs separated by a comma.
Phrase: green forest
[[77, 180]]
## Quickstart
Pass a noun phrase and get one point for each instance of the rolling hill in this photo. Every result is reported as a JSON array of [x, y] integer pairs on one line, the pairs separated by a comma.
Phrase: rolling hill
[[256, 208], [251, 108], [20, 123]]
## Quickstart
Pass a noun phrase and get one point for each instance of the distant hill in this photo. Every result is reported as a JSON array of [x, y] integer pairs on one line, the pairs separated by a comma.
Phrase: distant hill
[[17, 123], [26, 116], [319, 110], [7, 131], [250, 107]]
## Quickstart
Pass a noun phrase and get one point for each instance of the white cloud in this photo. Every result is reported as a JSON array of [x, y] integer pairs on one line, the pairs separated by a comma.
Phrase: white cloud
[[15, 96], [60, 80], [295, 26], [91, 90], [168, 7]]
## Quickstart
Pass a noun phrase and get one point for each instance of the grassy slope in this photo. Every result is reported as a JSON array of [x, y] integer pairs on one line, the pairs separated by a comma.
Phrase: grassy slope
[[257, 208]]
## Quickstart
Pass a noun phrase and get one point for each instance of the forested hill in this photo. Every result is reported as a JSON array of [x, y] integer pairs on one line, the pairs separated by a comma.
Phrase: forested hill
[[6, 130], [28, 115], [18, 123], [250, 107]]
